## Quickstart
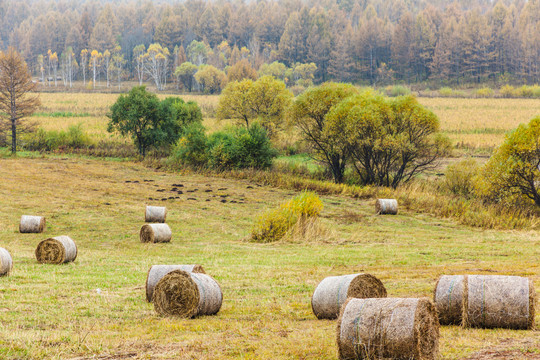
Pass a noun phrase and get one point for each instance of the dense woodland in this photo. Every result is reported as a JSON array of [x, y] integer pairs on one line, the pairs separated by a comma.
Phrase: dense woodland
[[361, 41]]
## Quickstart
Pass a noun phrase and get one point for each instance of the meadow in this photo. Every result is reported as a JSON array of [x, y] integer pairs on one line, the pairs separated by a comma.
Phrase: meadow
[[96, 305], [473, 125], [95, 308]]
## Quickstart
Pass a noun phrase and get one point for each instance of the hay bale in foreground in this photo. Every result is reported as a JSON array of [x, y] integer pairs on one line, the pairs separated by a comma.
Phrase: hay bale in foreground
[[497, 301], [155, 214], [448, 298], [386, 206], [156, 272], [156, 233], [56, 250], [183, 294], [333, 291], [388, 328], [6, 262], [32, 224]]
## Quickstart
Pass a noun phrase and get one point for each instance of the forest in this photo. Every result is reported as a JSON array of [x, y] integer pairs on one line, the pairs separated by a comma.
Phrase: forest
[[370, 42]]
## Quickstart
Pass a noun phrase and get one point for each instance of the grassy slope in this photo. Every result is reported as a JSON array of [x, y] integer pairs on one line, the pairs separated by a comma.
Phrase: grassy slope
[[56, 312]]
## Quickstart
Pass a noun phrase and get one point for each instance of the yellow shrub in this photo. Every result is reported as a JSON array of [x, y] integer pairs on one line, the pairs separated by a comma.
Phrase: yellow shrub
[[274, 224], [507, 91], [484, 92]]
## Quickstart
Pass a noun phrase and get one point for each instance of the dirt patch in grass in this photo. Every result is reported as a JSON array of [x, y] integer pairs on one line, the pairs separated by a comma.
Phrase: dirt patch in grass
[[511, 350]]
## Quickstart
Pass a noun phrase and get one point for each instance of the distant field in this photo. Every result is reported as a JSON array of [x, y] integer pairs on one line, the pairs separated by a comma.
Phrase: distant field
[[95, 308], [470, 123]]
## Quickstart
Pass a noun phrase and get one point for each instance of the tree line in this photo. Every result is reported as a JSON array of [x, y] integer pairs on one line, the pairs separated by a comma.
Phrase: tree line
[[361, 41]]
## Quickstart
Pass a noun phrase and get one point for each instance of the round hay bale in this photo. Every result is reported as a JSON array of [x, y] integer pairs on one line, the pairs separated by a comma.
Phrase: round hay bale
[[32, 224], [156, 233], [156, 272], [388, 328], [333, 291], [448, 298], [183, 294], [6, 262], [498, 301], [56, 250], [155, 214], [386, 206]]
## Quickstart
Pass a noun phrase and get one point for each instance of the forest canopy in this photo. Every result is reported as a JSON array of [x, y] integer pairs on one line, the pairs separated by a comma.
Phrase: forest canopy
[[361, 41]]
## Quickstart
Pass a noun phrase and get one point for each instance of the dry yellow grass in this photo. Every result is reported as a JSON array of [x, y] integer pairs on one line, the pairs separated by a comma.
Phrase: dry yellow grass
[[470, 123], [481, 123], [96, 307]]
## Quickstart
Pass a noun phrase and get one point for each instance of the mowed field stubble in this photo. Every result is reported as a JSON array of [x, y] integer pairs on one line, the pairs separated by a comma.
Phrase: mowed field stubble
[[95, 307]]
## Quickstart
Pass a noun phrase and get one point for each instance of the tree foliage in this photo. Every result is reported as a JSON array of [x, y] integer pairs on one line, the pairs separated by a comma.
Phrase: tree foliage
[[149, 122], [16, 100], [265, 99], [514, 169]]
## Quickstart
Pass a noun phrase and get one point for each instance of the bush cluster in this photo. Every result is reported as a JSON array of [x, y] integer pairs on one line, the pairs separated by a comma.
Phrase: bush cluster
[[525, 91], [276, 223], [42, 140], [234, 148]]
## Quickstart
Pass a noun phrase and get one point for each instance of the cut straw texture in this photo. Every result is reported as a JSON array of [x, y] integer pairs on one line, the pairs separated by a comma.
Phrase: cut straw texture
[[155, 214], [391, 328], [32, 224], [56, 250], [486, 301], [156, 233], [183, 294], [6, 262], [448, 297], [333, 291], [156, 272], [386, 206]]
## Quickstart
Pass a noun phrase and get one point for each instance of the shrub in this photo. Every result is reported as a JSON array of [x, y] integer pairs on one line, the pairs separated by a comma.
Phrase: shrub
[[446, 92], [536, 91], [275, 224], [234, 148], [397, 90], [460, 177], [484, 92], [191, 148], [73, 138], [524, 91], [507, 91]]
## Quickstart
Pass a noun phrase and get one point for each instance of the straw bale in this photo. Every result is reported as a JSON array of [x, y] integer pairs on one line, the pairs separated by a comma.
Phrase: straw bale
[[32, 224], [448, 298], [155, 233], [56, 250], [155, 214], [6, 262], [332, 292], [156, 272], [183, 294], [386, 206], [498, 301], [388, 328]]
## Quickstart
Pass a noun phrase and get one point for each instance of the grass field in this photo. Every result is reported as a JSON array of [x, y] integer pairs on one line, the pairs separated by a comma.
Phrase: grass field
[[474, 124], [95, 308]]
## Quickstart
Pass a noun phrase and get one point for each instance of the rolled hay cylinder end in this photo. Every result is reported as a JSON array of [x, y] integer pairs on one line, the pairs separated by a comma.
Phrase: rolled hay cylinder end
[[386, 206], [388, 328], [155, 214], [333, 291], [448, 298], [183, 294], [32, 224], [6, 262], [56, 250], [156, 272], [155, 233], [498, 301]]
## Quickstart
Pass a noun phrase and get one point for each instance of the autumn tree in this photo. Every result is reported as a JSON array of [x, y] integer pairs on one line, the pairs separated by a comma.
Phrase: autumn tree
[[16, 86], [265, 100], [155, 64], [211, 78], [514, 169], [308, 114], [84, 63], [241, 70], [138, 61], [185, 73], [95, 60]]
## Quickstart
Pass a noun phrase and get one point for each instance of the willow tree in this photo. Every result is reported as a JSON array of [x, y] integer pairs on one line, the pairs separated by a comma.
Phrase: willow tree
[[16, 86]]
